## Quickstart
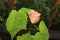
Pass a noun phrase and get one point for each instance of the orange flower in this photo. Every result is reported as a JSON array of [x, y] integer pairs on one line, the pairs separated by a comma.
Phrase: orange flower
[[14, 1], [34, 16], [58, 2]]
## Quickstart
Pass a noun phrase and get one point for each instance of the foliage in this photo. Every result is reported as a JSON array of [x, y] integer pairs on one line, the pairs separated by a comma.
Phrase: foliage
[[17, 21]]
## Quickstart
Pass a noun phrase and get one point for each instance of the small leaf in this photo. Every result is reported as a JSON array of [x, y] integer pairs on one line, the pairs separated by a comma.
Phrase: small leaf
[[43, 28], [26, 36], [43, 34], [39, 36]]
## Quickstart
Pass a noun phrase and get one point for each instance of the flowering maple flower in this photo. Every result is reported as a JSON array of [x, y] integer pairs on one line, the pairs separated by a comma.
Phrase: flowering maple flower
[[34, 16]]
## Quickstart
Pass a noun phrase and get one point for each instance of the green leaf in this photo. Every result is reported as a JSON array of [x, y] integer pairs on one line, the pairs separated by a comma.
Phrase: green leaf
[[11, 23], [39, 36], [26, 36], [43, 28], [43, 34], [16, 21], [26, 10]]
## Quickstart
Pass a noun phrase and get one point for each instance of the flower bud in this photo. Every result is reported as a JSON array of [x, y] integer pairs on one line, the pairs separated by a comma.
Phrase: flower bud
[[34, 16]]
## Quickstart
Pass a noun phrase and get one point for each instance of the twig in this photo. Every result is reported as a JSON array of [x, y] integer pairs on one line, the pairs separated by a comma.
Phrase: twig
[[52, 15], [1, 19], [36, 27]]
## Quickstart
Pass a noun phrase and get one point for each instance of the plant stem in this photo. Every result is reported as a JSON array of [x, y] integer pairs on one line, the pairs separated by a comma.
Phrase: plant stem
[[52, 15], [36, 27], [1, 19]]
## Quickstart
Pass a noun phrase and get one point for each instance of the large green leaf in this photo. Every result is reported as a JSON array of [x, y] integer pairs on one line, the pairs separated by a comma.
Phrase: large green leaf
[[10, 24], [43, 34], [26, 36], [16, 21]]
